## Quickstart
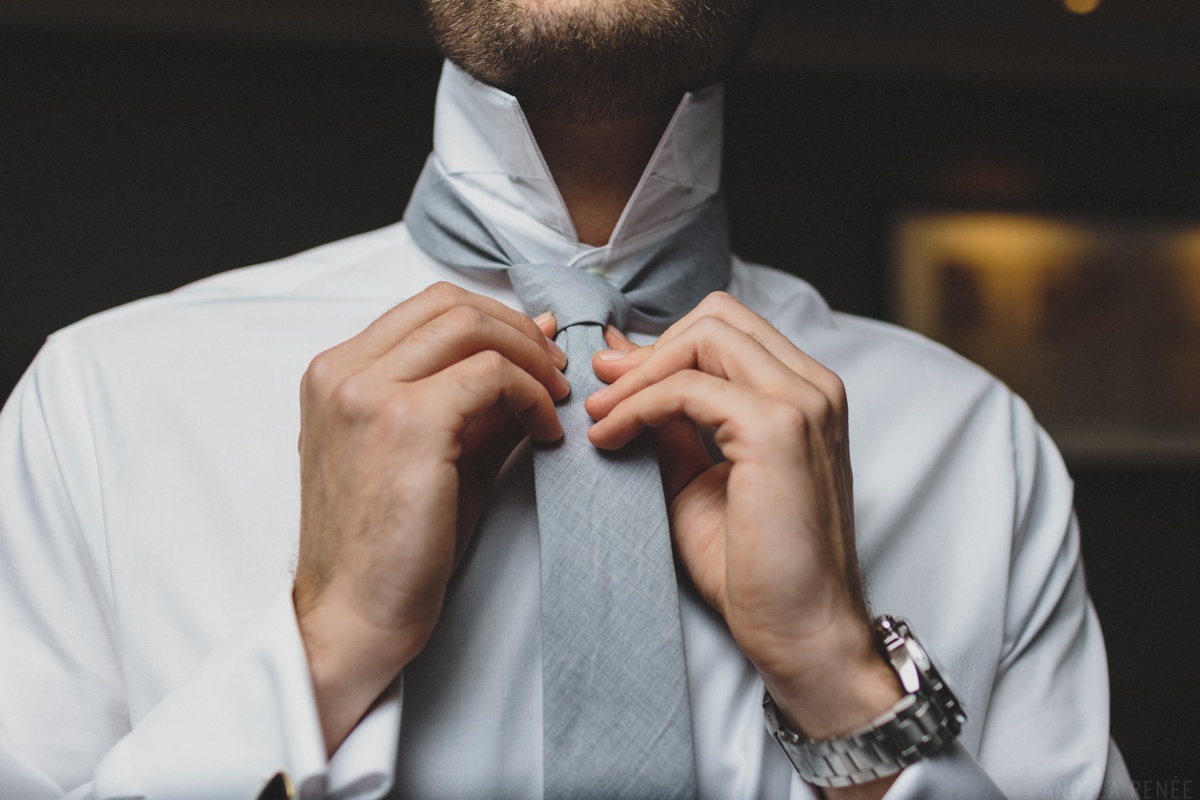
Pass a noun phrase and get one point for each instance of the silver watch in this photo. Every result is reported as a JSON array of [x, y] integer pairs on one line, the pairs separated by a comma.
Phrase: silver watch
[[928, 718]]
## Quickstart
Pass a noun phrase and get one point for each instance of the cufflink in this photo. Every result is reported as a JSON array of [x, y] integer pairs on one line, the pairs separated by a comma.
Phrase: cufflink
[[280, 787]]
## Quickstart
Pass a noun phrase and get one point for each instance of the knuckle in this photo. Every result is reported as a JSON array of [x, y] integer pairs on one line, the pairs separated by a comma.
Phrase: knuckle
[[717, 301], [825, 401], [709, 324], [320, 373], [528, 327], [444, 292], [349, 399], [788, 420], [689, 381], [817, 408], [835, 387], [490, 365], [707, 334], [465, 320], [685, 384]]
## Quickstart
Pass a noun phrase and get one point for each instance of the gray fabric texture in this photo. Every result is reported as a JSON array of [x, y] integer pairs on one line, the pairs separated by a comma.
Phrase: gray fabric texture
[[617, 713]]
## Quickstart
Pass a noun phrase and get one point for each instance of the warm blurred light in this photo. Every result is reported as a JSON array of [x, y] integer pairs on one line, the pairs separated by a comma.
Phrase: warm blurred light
[[1183, 254], [1081, 6], [1095, 322], [1009, 254]]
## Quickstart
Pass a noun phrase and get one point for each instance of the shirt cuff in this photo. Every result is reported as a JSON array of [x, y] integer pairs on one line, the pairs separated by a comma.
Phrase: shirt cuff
[[951, 774], [363, 768], [245, 714]]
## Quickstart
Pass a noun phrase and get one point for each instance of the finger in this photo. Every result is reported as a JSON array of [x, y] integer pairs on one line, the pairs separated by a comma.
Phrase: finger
[[706, 400], [617, 340], [712, 346], [726, 307], [458, 334], [471, 387], [623, 356], [385, 332], [548, 324], [681, 455]]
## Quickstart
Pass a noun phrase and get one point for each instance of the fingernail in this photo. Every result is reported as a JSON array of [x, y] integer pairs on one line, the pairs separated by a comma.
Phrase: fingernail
[[615, 331], [543, 318], [598, 393], [566, 384], [613, 355]]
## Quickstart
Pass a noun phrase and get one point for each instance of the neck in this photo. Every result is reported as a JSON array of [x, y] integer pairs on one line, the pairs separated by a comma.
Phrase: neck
[[598, 167]]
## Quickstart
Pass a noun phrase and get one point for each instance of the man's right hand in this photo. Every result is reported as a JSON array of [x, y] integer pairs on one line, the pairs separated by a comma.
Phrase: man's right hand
[[403, 429]]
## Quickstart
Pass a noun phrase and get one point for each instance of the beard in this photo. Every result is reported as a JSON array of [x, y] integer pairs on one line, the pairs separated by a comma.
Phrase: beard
[[594, 61]]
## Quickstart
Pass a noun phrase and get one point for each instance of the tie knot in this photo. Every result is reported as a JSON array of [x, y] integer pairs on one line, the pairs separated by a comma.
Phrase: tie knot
[[659, 284], [574, 295]]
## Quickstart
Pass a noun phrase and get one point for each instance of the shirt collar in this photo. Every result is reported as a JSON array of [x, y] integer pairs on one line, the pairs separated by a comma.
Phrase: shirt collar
[[482, 141]]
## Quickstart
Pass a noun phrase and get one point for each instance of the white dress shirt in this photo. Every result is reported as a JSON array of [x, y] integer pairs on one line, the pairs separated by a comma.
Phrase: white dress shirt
[[149, 503]]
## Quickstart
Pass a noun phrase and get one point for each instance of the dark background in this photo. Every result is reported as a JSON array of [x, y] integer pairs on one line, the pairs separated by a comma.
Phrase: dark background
[[147, 144]]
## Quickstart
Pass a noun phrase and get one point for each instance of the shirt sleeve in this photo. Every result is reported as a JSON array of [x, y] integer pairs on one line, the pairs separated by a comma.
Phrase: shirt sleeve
[[246, 713], [1046, 727]]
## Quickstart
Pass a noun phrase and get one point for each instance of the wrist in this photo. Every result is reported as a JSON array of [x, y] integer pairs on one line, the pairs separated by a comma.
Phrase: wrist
[[351, 662], [835, 686]]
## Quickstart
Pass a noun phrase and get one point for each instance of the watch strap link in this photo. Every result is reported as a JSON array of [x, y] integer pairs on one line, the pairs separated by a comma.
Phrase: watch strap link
[[910, 730]]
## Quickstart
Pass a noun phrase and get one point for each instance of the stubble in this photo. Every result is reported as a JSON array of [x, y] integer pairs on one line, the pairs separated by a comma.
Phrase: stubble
[[594, 61]]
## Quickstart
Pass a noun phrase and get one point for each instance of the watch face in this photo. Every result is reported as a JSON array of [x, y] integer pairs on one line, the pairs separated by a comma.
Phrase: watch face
[[924, 662]]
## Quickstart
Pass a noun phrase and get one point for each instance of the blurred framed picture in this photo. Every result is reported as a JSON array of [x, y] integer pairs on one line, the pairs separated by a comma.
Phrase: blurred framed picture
[[1095, 322]]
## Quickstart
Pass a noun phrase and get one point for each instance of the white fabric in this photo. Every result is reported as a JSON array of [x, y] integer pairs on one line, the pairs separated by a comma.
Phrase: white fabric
[[148, 524]]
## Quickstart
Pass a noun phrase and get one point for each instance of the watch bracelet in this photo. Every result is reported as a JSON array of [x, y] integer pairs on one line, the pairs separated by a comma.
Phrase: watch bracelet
[[917, 726]]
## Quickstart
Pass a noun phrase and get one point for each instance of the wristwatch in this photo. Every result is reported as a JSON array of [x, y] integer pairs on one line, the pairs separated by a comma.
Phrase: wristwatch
[[928, 718]]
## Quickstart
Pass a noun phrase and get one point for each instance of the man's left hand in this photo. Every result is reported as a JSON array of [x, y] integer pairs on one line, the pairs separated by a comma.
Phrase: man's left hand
[[767, 535]]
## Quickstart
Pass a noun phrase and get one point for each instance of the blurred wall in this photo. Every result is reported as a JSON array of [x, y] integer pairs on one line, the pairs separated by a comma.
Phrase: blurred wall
[[139, 153]]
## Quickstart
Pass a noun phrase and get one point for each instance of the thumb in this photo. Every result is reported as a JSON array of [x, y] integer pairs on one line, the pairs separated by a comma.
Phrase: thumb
[[624, 355]]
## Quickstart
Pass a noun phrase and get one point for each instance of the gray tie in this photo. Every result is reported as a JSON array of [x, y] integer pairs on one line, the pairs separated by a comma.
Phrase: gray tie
[[617, 714]]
